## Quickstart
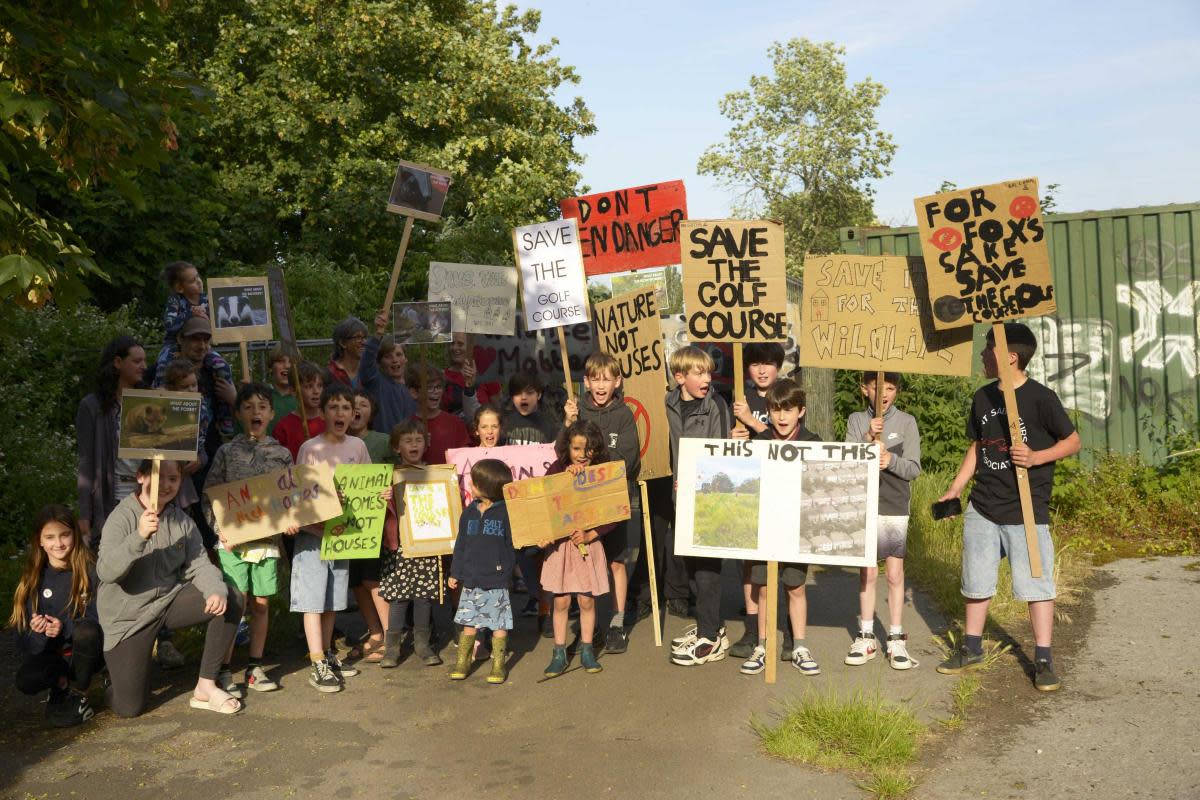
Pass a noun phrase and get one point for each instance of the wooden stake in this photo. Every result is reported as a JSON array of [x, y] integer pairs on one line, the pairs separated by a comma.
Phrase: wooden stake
[[1014, 433], [295, 358], [245, 353], [772, 618], [739, 385], [562, 349], [879, 395], [155, 464], [648, 539], [391, 290]]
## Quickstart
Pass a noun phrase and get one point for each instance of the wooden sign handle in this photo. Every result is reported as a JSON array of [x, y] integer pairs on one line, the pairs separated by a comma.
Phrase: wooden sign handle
[[878, 395], [772, 618], [739, 383], [648, 540], [155, 464], [391, 290], [1014, 433], [562, 349], [295, 357], [244, 350]]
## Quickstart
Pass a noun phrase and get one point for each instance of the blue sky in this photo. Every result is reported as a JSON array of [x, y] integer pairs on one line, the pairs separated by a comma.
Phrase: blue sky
[[1100, 97]]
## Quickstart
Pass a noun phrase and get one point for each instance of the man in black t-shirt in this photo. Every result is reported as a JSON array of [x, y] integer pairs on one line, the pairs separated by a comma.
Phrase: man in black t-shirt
[[992, 526]]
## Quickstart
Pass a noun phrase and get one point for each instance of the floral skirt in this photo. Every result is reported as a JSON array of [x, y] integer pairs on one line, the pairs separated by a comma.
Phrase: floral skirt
[[410, 578]]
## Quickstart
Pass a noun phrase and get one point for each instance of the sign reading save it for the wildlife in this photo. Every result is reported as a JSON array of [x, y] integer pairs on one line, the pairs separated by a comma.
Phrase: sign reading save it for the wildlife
[[734, 281], [549, 508], [872, 313], [358, 531], [985, 250]]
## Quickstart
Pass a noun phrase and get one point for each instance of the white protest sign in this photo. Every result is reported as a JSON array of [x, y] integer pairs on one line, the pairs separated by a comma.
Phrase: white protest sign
[[483, 297], [554, 289]]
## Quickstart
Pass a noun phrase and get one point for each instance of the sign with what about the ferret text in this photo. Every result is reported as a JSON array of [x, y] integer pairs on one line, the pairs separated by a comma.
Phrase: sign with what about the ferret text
[[986, 254], [553, 286], [629, 228], [734, 281]]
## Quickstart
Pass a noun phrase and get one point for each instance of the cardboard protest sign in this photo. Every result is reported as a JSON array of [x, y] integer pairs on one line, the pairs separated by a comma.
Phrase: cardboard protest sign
[[419, 191], [159, 423], [986, 254], [873, 313], [629, 330], [553, 287], [239, 309], [421, 323], [483, 298], [431, 509], [667, 283], [358, 531], [807, 502], [262, 506], [629, 228], [734, 281], [525, 461], [549, 508]]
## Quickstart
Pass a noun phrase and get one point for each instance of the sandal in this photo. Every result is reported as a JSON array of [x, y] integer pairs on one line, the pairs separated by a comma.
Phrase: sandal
[[372, 650], [218, 701]]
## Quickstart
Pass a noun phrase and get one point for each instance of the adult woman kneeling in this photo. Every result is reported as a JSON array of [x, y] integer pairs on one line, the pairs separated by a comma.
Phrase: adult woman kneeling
[[154, 573]]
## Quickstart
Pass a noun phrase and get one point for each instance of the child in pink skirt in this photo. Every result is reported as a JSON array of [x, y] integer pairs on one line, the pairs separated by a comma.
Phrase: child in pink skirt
[[566, 570]]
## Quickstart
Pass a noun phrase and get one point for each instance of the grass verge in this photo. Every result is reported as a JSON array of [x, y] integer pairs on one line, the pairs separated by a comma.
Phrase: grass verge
[[858, 732]]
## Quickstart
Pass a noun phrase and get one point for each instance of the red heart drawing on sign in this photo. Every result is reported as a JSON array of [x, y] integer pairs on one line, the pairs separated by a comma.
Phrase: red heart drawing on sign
[[484, 358]]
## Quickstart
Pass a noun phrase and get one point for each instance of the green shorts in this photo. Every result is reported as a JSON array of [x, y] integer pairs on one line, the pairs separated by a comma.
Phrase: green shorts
[[260, 580]]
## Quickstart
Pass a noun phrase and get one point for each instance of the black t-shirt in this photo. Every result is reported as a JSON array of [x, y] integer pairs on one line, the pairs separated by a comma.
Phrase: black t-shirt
[[537, 428], [1044, 422], [757, 404]]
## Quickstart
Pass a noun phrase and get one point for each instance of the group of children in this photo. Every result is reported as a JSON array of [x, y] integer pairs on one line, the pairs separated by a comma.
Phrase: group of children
[[396, 415]]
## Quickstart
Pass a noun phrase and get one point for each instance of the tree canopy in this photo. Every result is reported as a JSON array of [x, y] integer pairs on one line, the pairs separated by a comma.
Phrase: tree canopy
[[804, 146]]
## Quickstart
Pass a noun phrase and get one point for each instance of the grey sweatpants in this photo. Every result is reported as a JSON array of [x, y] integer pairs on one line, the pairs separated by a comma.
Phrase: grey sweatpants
[[129, 662]]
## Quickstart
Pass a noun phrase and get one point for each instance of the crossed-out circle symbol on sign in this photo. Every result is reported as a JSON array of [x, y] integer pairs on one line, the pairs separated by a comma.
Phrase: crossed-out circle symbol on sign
[[641, 418]]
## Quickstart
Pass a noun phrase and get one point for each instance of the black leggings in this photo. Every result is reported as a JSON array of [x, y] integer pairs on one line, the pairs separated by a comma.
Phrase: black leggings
[[43, 671], [129, 661], [422, 614]]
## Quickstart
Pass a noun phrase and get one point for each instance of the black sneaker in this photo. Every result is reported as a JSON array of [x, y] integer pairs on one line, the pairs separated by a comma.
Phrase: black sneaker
[[323, 679], [531, 608], [789, 646], [961, 661], [677, 607], [1044, 678], [68, 710], [744, 646], [341, 670], [644, 609], [547, 625], [616, 641]]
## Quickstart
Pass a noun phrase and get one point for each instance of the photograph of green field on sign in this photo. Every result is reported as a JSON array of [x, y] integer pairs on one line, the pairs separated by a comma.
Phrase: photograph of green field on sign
[[726, 502]]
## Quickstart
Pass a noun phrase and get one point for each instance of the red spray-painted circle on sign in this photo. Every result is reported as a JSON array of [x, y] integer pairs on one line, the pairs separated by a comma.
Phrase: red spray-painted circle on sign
[[1023, 206], [946, 239], [642, 418]]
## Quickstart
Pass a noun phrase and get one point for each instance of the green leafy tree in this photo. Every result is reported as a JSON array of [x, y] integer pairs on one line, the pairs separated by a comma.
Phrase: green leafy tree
[[804, 146], [317, 101], [85, 100]]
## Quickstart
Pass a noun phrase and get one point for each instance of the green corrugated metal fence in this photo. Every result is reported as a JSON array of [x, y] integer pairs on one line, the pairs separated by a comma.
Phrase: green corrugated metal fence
[[1122, 350]]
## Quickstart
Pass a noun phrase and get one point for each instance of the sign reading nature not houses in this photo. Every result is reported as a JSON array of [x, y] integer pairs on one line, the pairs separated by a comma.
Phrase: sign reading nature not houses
[[552, 507], [734, 281], [483, 298], [358, 531], [262, 506], [629, 228], [630, 330], [810, 502], [553, 286], [986, 254], [872, 313]]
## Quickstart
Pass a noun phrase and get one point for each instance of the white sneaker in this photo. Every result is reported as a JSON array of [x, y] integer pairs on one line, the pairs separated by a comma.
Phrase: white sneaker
[[689, 637], [701, 651], [258, 680], [863, 650], [897, 652], [227, 684], [803, 661], [756, 663]]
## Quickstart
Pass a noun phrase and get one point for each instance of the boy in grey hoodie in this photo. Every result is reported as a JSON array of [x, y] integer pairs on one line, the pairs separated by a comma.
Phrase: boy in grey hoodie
[[899, 465]]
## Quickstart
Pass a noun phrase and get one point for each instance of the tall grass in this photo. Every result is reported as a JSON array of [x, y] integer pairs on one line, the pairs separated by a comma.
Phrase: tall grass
[[726, 520]]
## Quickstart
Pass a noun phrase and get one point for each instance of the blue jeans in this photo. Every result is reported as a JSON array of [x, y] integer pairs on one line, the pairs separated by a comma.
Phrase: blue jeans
[[986, 542]]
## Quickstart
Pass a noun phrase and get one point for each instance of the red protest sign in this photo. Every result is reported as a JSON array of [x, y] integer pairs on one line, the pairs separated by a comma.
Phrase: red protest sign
[[629, 228]]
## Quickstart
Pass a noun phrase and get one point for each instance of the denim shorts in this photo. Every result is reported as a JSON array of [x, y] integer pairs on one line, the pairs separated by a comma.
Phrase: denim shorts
[[317, 585], [985, 543]]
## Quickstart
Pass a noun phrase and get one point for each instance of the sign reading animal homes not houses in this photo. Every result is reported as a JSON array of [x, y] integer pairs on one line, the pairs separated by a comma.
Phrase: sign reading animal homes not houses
[[549, 508], [358, 531], [630, 330], [554, 288], [262, 506], [734, 281], [986, 254], [629, 228], [872, 313]]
